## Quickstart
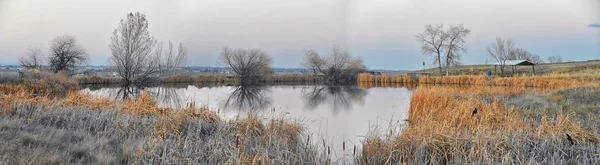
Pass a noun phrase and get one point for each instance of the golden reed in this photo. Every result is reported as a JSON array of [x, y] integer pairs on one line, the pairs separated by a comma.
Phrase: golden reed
[[547, 81]]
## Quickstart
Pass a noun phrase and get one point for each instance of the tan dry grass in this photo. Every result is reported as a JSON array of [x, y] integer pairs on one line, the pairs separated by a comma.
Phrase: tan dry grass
[[440, 117], [546, 81]]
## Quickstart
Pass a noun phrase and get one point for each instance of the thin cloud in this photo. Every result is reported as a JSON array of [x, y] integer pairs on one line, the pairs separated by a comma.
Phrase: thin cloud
[[594, 25]]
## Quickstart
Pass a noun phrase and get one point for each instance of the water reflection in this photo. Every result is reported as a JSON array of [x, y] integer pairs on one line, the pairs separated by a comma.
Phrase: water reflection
[[248, 98], [127, 92], [170, 96], [337, 97], [167, 96]]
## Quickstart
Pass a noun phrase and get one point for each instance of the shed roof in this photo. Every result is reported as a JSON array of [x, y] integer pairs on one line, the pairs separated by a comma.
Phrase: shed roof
[[516, 62]]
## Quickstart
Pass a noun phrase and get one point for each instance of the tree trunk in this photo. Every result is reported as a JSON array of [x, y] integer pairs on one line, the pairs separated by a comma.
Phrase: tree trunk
[[440, 65]]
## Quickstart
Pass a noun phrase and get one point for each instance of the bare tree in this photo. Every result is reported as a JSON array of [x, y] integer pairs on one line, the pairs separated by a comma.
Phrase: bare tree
[[313, 61], [555, 59], [136, 55], [172, 61], [454, 45], [536, 59], [338, 67], [33, 59], [522, 54], [247, 64], [432, 40], [66, 54], [501, 51], [357, 64], [133, 55]]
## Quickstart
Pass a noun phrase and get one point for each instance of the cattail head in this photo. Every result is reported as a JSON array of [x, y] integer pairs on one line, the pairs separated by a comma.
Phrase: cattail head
[[237, 141]]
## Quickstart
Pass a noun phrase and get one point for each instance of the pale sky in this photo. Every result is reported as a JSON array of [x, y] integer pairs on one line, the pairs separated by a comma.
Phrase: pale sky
[[382, 31]]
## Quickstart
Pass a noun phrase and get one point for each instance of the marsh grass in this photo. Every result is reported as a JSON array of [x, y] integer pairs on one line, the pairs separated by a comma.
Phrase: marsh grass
[[48, 121], [95, 79], [442, 128], [10, 77], [551, 81], [79, 129], [207, 79]]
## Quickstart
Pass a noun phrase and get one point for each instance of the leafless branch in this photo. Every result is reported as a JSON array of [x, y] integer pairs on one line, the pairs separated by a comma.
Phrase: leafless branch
[[501, 51], [435, 41], [33, 59], [555, 59], [66, 54], [247, 64], [337, 67]]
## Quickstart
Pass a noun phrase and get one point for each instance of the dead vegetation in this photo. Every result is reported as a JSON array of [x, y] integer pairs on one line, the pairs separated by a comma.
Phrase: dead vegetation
[[500, 120], [453, 125], [138, 131], [546, 81]]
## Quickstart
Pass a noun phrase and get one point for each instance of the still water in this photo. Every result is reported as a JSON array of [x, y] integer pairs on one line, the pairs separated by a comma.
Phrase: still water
[[334, 113]]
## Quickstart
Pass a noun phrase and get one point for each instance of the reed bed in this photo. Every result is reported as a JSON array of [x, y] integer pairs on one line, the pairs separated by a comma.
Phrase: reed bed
[[410, 86], [585, 76], [95, 79], [48, 85], [209, 79], [385, 79], [175, 79], [294, 78], [444, 128], [547, 81], [10, 77], [275, 78]]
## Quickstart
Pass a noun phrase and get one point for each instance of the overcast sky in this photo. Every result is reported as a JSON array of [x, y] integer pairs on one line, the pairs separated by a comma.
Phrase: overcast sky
[[382, 31]]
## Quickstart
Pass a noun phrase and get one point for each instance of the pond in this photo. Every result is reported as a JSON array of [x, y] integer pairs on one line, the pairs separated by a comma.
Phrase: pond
[[336, 114]]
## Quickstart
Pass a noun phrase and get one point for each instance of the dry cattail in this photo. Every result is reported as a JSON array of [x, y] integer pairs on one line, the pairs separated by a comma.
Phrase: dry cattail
[[237, 141]]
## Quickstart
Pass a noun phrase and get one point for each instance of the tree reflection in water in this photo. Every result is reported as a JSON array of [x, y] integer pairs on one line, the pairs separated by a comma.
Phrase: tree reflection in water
[[337, 97], [165, 96], [248, 98]]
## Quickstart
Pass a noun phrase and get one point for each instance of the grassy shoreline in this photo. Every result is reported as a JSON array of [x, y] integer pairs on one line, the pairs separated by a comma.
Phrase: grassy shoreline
[[208, 78], [79, 129], [49, 121], [507, 128], [544, 81]]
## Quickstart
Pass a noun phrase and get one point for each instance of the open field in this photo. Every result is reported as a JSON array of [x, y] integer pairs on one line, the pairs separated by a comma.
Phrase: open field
[[566, 67]]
